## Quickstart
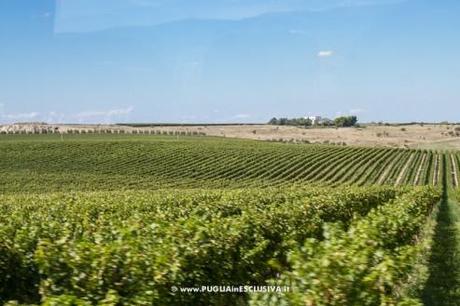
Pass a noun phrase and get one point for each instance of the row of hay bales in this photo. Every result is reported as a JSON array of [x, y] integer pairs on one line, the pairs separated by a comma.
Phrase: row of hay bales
[[50, 129]]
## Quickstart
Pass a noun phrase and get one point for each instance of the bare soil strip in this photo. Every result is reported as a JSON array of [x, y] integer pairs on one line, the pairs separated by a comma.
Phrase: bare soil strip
[[384, 175], [454, 170], [420, 168], [436, 170], [403, 171], [441, 288]]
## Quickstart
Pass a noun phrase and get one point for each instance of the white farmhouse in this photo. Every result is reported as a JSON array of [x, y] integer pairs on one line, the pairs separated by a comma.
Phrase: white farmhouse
[[315, 120]]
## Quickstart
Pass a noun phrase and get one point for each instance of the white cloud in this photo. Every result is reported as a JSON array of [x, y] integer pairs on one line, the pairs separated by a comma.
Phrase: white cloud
[[21, 116], [356, 111], [242, 116], [11, 117], [189, 118], [109, 113], [55, 117], [325, 53], [121, 111], [58, 117], [90, 15]]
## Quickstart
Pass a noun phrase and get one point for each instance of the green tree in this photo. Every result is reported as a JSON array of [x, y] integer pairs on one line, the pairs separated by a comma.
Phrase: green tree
[[345, 121]]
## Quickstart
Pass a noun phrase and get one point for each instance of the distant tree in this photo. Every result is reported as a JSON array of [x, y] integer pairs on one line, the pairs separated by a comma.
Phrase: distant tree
[[326, 122], [346, 121], [294, 121], [353, 120], [283, 121]]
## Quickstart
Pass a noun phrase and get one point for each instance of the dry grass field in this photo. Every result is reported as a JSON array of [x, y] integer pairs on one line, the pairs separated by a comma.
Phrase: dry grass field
[[428, 136], [413, 136]]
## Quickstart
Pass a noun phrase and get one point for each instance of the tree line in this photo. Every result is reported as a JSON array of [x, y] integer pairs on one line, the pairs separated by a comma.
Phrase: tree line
[[342, 121]]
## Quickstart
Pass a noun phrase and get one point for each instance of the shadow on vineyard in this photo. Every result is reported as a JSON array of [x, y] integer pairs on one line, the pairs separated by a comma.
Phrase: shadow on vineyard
[[443, 283]]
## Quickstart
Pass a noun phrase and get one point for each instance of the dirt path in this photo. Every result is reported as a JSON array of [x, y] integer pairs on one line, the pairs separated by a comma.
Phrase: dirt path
[[420, 168], [443, 284], [436, 170], [403, 171], [454, 171]]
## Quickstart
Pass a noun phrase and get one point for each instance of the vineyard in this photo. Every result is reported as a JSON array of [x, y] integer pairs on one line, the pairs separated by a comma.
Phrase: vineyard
[[152, 162], [121, 220]]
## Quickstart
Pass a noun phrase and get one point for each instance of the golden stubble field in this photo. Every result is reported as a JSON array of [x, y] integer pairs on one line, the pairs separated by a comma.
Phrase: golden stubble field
[[427, 136], [413, 136]]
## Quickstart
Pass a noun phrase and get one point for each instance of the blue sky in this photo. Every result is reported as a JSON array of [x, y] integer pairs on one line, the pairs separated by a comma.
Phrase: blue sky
[[228, 60]]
